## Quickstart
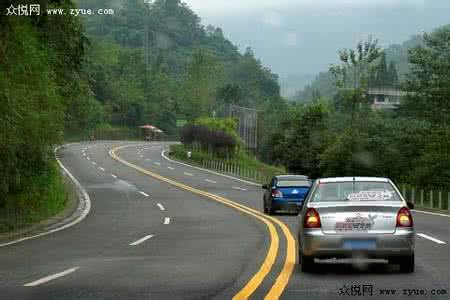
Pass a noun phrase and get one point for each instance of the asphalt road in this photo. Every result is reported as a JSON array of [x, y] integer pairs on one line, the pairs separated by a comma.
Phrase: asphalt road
[[158, 229]]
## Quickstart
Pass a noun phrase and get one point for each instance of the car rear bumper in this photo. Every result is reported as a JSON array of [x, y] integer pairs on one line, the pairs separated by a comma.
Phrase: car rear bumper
[[313, 242], [287, 204]]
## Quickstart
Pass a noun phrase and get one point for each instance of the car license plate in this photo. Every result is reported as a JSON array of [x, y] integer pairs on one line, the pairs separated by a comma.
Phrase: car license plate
[[360, 244]]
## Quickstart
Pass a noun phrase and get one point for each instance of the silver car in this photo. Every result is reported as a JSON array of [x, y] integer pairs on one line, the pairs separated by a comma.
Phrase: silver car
[[348, 217]]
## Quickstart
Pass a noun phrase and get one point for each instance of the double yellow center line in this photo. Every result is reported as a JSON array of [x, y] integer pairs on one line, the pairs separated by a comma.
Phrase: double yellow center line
[[280, 283]]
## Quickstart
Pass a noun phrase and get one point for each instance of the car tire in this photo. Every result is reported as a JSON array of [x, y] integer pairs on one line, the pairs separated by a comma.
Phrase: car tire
[[270, 210], [306, 263], [407, 264]]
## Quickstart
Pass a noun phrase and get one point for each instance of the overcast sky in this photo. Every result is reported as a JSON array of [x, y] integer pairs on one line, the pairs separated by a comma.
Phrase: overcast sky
[[295, 37]]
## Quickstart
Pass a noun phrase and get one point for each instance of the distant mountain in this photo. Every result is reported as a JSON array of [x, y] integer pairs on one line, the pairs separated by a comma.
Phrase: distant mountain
[[291, 83]]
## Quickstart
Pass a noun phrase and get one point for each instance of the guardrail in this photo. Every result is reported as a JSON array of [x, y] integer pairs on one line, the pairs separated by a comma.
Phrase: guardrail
[[434, 199], [236, 170]]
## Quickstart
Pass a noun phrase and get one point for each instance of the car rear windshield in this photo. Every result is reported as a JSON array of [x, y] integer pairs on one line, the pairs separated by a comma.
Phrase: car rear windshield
[[355, 191], [293, 183]]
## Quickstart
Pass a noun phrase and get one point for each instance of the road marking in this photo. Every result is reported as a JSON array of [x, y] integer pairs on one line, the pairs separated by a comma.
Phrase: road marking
[[94, 163], [142, 240], [88, 158], [84, 154], [266, 267], [101, 169], [147, 159], [206, 170], [238, 188], [160, 206], [157, 163], [431, 238], [431, 213], [209, 180], [146, 195], [114, 176], [170, 168], [166, 220], [52, 277], [188, 174]]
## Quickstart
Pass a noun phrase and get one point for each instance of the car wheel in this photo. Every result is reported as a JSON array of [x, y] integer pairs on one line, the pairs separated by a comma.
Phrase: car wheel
[[407, 264], [306, 262], [270, 210]]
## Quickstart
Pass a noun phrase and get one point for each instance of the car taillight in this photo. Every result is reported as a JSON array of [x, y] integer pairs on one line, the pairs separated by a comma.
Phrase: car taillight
[[277, 194], [312, 219], [404, 218]]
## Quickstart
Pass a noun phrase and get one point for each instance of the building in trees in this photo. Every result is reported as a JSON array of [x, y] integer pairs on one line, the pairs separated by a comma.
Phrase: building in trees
[[385, 97]]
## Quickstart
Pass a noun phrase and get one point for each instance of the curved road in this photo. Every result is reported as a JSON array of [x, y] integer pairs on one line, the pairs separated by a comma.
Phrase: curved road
[[159, 229]]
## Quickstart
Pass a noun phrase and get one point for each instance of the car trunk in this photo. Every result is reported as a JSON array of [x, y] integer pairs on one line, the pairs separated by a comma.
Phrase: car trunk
[[293, 193], [357, 218]]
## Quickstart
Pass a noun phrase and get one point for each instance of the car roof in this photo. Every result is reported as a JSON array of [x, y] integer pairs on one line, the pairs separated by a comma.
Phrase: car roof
[[360, 179], [291, 177]]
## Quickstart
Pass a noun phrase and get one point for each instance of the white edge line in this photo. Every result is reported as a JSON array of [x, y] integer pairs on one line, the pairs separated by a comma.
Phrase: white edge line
[[238, 188], [206, 170], [142, 193], [160, 206], [431, 213], [81, 194], [431, 238], [52, 277], [166, 220], [142, 240]]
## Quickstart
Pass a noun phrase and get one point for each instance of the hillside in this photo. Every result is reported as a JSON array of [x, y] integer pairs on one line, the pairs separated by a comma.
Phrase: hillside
[[323, 84]]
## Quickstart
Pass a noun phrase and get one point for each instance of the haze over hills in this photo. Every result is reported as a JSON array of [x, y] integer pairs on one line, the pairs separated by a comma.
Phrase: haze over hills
[[300, 38]]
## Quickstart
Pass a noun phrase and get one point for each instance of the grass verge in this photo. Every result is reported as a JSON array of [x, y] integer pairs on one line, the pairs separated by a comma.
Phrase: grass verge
[[44, 196]]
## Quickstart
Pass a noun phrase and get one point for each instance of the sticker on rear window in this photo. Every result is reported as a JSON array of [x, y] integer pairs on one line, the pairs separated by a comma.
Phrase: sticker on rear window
[[370, 196], [357, 223]]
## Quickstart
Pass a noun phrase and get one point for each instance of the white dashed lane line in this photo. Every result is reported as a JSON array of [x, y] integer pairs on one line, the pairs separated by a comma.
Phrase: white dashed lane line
[[52, 277], [161, 207], [166, 220], [431, 238], [142, 240], [157, 163], [188, 174], [102, 169], [211, 181], [144, 194], [88, 158], [94, 163], [113, 176], [238, 188], [170, 168]]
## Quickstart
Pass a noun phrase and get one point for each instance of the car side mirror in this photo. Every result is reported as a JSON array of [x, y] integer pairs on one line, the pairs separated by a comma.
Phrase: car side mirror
[[410, 204], [265, 186]]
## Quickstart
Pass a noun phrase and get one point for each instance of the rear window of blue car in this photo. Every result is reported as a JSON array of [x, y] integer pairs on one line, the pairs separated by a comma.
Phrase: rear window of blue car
[[293, 183]]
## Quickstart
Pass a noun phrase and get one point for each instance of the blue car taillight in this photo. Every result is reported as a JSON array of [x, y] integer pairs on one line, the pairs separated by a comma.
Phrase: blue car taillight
[[277, 194]]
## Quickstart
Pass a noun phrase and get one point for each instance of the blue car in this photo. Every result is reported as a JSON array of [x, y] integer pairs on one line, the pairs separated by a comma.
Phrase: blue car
[[285, 192]]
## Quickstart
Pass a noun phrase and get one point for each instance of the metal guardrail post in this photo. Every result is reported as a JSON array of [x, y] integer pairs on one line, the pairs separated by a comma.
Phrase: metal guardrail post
[[440, 200], [413, 195], [421, 198], [431, 199]]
